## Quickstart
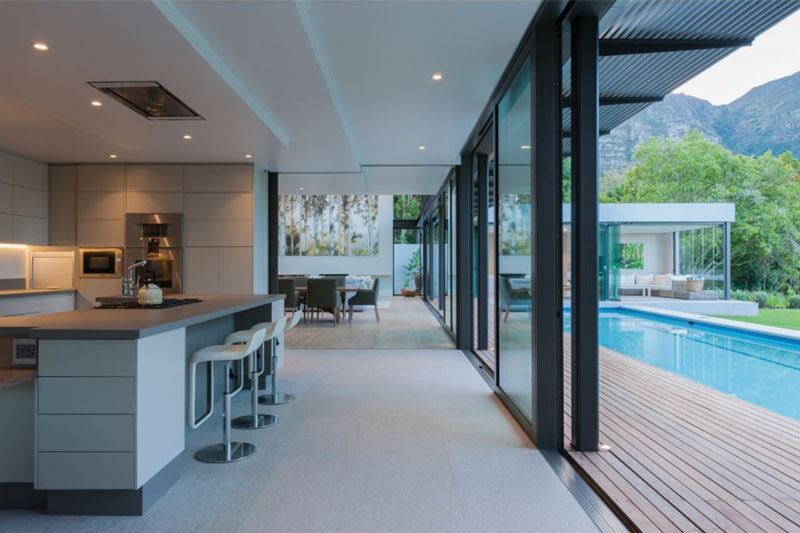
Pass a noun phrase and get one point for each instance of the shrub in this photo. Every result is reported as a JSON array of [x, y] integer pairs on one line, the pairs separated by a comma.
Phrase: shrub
[[794, 302], [776, 301], [761, 297], [744, 296]]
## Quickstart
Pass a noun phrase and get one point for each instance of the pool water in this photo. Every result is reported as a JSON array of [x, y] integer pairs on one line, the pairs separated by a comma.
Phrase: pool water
[[761, 369]]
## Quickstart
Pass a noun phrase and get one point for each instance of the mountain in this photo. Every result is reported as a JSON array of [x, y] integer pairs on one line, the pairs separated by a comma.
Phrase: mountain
[[766, 118]]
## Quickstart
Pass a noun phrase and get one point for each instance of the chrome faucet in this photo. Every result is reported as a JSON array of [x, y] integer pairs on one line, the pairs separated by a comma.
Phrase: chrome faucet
[[130, 285]]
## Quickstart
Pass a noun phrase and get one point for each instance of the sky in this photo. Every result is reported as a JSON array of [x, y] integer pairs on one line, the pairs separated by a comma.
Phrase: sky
[[774, 54]]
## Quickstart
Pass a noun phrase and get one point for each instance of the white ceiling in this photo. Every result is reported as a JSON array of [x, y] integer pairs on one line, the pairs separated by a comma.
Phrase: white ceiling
[[306, 87]]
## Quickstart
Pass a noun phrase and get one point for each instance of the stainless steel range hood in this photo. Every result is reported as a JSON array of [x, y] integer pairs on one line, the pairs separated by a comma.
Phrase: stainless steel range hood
[[148, 98]]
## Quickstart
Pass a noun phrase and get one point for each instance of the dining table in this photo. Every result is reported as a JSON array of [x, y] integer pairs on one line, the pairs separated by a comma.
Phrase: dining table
[[342, 292]]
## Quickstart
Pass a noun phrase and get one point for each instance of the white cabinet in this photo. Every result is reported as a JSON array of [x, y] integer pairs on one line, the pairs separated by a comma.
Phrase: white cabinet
[[23, 200], [102, 431], [101, 233], [201, 270], [219, 206], [6, 228], [219, 233], [100, 206], [154, 178], [100, 178], [6, 198], [236, 270], [153, 202], [63, 208], [218, 178], [29, 230], [37, 303]]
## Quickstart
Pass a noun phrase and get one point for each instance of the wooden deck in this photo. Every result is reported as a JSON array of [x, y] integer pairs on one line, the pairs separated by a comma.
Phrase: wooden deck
[[685, 457]]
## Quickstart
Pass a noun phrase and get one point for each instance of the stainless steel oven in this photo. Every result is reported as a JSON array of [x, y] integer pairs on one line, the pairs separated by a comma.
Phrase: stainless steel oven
[[157, 238], [100, 263]]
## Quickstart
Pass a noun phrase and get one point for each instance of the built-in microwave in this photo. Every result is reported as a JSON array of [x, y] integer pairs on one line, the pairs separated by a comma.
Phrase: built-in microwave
[[100, 263]]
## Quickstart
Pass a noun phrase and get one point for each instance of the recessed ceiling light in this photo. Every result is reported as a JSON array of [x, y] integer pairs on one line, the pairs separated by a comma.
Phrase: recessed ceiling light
[[187, 136], [95, 103], [41, 46], [421, 147], [302, 188], [248, 156], [604, 447], [526, 146], [437, 76], [112, 156]]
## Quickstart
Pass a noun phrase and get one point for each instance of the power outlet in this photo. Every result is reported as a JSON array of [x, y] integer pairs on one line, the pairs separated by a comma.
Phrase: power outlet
[[24, 352]]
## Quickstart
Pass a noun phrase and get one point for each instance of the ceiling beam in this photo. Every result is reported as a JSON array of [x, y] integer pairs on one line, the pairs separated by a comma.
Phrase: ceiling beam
[[617, 47], [196, 39], [566, 101]]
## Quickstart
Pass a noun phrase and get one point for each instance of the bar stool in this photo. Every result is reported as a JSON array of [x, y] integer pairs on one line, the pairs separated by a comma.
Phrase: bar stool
[[254, 420], [274, 398], [226, 451]]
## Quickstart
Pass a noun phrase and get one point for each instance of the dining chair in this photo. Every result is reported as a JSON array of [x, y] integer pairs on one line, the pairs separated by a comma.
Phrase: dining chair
[[366, 297], [286, 287], [322, 295]]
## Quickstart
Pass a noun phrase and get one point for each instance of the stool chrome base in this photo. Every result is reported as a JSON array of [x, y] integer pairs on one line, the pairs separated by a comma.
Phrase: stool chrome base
[[246, 422], [279, 399], [216, 453]]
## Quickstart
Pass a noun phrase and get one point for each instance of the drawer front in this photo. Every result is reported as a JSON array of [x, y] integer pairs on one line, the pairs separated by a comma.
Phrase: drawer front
[[76, 471], [87, 358], [22, 305], [54, 303], [85, 433], [86, 396]]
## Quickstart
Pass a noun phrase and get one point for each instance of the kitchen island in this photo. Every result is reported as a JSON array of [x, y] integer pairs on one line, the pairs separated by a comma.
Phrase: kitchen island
[[110, 397]]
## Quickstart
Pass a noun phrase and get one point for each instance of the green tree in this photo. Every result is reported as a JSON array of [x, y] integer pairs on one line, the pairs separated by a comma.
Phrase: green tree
[[765, 239]]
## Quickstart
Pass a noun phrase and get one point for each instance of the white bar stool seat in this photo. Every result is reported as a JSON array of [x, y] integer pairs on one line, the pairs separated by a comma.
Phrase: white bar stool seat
[[226, 451], [254, 420]]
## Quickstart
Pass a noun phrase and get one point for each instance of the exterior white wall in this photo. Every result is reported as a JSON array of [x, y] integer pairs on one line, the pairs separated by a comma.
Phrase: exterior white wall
[[657, 252], [374, 265]]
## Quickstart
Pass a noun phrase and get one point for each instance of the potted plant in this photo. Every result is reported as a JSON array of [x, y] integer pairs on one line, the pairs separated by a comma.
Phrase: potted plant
[[694, 283], [411, 269]]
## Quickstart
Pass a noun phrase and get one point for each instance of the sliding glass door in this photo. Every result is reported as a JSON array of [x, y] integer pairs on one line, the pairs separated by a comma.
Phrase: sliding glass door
[[514, 342]]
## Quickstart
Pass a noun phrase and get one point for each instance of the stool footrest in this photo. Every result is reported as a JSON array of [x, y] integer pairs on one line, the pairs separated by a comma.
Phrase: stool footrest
[[246, 422], [278, 399]]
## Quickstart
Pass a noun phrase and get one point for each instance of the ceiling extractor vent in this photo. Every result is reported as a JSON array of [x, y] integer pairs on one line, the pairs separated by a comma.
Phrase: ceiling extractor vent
[[148, 98]]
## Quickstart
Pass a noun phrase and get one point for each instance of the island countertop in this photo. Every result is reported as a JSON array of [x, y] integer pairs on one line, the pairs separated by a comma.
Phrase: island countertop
[[131, 323], [17, 293]]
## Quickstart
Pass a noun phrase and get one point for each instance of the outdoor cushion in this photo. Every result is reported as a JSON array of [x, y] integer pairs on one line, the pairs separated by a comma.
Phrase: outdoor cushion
[[644, 279], [519, 283], [626, 280], [662, 280]]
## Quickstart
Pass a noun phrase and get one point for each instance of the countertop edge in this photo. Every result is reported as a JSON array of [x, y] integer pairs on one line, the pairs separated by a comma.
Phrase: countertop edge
[[127, 334], [23, 293]]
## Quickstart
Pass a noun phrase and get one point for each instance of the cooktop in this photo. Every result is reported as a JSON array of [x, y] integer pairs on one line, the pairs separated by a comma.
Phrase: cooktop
[[171, 302]]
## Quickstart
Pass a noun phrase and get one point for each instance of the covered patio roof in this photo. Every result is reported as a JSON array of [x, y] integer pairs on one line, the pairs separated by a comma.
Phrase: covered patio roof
[[699, 213]]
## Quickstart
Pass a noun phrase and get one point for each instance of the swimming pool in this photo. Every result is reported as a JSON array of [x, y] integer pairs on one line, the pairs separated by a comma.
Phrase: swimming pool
[[761, 369]]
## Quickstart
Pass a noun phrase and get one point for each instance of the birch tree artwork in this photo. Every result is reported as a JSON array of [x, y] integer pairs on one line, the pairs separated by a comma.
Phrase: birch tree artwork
[[328, 225]]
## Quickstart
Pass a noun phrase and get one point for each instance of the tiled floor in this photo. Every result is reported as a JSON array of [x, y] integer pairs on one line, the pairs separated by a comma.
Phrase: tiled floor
[[377, 441]]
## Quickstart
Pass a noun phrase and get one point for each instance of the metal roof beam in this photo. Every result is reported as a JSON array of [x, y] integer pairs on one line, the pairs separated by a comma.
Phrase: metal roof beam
[[569, 133], [618, 47], [619, 100]]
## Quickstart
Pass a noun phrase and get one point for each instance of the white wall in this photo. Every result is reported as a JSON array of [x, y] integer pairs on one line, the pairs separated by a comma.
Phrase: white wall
[[657, 252], [23, 200], [374, 265]]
